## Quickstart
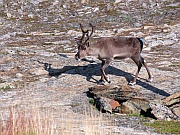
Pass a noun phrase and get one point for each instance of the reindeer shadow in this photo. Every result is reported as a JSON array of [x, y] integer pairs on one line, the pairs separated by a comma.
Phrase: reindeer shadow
[[94, 69]]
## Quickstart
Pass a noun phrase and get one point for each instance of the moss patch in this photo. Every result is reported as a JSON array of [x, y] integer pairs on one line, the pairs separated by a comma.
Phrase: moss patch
[[165, 126]]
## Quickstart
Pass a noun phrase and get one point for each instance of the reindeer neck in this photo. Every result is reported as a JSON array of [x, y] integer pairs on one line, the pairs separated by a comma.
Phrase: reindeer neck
[[92, 50]]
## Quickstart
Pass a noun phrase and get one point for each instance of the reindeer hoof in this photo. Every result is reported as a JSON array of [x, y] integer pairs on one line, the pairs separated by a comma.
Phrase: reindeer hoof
[[149, 80], [132, 83], [108, 80], [101, 82]]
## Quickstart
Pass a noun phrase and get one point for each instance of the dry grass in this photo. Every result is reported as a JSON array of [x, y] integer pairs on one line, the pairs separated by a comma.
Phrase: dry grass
[[31, 122], [36, 121]]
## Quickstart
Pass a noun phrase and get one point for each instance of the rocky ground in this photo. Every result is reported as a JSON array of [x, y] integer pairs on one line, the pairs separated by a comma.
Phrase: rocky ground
[[37, 49]]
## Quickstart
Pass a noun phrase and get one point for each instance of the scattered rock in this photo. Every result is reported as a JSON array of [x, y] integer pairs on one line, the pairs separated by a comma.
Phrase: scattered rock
[[129, 107], [176, 110], [104, 104], [84, 1], [166, 30], [19, 75], [117, 93], [114, 104], [148, 27], [174, 4], [137, 24], [117, 1], [162, 112], [130, 101], [9, 15], [172, 99], [39, 71], [168, 42], [43, 79]]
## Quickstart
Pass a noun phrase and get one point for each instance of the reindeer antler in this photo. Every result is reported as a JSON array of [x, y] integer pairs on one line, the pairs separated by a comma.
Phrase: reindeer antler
[[92, 29], [87, 34], [83, 31]]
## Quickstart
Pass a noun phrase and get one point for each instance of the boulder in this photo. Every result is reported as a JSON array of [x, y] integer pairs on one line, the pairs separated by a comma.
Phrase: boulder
[[117, 93], [114, 104], [173, 102], [103, 104], [162, 112], [135, 106], [106, 104], [129, 107], [127, 100], [122, 99], [176, 110], [172, 99]]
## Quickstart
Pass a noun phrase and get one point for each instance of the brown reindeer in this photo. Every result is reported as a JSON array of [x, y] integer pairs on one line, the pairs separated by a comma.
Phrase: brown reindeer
[[107, 49]]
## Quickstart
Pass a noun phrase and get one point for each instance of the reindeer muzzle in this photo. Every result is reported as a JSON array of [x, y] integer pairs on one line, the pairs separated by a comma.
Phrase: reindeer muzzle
[[76, 57]]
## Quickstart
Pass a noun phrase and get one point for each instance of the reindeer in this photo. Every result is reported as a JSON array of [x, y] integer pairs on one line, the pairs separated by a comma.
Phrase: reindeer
[[108, 49]]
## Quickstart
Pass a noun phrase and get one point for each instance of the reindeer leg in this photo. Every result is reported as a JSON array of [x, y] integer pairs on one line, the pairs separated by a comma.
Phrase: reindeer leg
[[148, 71], [139, 64], [102, 75], [105, 64]]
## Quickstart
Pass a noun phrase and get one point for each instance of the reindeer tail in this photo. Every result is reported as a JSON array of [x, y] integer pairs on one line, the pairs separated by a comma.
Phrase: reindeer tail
[[141, 40]]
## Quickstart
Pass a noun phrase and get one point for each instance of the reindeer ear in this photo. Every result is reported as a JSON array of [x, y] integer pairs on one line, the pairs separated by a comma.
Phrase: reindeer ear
[[87, 44], [83, 47]]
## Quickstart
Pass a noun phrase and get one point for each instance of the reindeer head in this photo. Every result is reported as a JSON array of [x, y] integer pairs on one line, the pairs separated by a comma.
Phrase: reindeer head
[[82, 45]]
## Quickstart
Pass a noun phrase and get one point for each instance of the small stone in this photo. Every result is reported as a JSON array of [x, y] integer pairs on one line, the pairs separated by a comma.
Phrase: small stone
[[31, 16], [117, 1], [137, 24], [84, 1], [39, 71], [19, 75], [96, 9], [166, 30], [8, 15], [114, 104], [169, 42], [43, 79], [148, 27], [144, 5]]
